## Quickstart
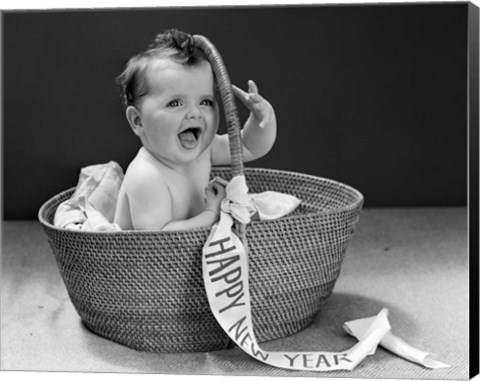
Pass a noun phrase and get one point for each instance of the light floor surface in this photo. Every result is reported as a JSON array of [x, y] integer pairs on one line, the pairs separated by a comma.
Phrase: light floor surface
[[413, 261]]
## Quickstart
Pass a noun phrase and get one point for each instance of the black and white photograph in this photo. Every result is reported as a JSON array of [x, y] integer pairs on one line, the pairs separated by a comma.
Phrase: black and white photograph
[[266, 190]]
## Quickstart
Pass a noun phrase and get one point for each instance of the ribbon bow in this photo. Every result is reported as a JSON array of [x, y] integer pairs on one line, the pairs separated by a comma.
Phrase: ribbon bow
[[244, 206]]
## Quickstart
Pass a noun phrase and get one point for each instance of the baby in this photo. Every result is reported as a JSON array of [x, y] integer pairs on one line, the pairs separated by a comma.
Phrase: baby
[[172, 106]]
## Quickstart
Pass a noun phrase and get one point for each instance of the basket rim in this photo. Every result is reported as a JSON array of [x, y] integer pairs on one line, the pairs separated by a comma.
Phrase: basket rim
[[359, 199]]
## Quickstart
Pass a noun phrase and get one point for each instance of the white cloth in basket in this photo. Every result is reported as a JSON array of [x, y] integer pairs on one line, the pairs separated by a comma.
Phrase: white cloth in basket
[[244, 206], [92, 205]]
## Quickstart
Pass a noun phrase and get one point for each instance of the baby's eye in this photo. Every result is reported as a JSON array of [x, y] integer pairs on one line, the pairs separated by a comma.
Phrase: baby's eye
[[174, 103], [208, 102]]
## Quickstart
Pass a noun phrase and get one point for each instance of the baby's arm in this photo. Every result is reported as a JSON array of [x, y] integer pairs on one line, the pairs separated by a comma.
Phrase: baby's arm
[[151, 203], [259, 132], [215, 193], [148, 198]]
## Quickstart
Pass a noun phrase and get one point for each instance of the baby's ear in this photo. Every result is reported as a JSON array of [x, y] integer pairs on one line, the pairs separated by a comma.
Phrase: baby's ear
[[135, 119]]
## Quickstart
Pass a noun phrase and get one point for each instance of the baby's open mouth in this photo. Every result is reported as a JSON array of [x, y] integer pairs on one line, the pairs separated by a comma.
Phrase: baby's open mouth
[[189, 137]]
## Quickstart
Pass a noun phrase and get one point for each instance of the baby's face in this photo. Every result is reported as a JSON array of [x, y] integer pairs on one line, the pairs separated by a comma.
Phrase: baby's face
[[179, 113]]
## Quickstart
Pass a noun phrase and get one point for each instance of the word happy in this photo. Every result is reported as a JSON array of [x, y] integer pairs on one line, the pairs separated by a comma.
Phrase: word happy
[[227, 269]]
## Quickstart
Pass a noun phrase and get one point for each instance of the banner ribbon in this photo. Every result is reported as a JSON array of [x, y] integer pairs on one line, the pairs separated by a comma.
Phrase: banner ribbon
[[225, 274]]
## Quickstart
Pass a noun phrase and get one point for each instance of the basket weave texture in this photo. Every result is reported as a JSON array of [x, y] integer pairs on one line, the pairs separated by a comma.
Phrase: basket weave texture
[[144, 289]]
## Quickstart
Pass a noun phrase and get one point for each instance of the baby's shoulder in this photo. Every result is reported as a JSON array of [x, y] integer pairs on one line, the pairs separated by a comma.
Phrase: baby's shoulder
[[142, 172]]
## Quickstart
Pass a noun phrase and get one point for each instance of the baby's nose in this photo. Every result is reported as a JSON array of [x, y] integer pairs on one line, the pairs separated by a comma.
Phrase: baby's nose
[[193, 113]]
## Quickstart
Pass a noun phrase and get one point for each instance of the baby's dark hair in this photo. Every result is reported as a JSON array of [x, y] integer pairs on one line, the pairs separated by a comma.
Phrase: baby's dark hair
[[171, 44]]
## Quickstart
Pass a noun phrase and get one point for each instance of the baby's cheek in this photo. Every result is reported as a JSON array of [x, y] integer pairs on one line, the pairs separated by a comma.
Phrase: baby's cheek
[[213, 119], [216, 118]]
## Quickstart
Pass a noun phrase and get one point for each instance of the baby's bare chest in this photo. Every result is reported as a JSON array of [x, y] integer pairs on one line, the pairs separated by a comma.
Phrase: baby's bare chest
[[188, 193]]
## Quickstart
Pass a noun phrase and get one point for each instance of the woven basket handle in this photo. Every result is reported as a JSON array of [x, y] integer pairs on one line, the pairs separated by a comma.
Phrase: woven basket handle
[[231, 113], [228, 100]]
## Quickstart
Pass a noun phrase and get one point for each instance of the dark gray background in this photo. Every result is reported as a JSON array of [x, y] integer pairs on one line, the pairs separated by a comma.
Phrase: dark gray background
[[374, 96]]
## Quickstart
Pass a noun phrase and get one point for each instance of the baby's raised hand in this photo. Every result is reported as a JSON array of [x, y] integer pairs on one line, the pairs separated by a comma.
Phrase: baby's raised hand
[[215, 193], [260, 108]]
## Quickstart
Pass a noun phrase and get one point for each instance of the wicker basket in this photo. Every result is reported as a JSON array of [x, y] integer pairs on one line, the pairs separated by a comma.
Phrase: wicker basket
[[145, 289]]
